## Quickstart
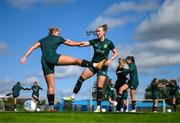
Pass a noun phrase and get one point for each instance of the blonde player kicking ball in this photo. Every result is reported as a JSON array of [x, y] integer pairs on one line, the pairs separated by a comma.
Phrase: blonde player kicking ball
[[102, 46], [50, 59]]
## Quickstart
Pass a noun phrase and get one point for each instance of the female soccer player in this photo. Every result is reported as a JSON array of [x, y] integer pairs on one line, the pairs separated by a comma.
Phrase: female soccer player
[[133, 82], [101, 46], [155, 88], [35, 94], [15, 92], [50, 59], [174, 88], [110, 93], [121, 80]]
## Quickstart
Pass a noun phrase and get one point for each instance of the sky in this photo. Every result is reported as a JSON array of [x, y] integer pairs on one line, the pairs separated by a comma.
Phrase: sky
[[147, 29]]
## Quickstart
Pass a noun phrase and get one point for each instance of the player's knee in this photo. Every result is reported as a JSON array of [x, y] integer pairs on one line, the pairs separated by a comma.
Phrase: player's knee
[[77, 61], [50, 90]]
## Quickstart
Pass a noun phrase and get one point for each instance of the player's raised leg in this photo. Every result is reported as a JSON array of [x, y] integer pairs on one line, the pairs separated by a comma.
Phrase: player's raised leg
[[121, 90], [87, 73], [68, 60]]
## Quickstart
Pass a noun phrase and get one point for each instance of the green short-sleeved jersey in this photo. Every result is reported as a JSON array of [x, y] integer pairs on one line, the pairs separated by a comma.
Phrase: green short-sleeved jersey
[[50, 58], [101, 49], [16, 90], [110, 91], [49, 45], [35, 90], [133, 75], [154, 90], [174, 90]]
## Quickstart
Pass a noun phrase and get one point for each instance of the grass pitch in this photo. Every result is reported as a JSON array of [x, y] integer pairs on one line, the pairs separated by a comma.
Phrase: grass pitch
[[85, 117]]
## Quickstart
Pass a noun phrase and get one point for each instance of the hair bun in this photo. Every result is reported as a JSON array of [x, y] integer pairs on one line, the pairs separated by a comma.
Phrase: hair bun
[[105, 26]]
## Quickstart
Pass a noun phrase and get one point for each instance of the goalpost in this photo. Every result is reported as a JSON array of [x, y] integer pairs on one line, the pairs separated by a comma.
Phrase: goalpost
[[2, 108], [145, 105]]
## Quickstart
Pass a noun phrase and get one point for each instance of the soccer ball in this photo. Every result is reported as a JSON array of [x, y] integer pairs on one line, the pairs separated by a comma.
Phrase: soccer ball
[[169, 110], [103, 110], [30, 106], [38, 110]]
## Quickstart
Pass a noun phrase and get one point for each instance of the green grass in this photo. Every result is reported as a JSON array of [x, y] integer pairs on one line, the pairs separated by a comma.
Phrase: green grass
[[86, 117]]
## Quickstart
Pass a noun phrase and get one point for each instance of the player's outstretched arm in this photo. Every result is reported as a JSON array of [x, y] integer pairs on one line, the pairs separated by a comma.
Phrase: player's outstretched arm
[[115, 53], [74, 43], [25, 88], [160, 85], [41, 88], [28, 52], [85, 44]]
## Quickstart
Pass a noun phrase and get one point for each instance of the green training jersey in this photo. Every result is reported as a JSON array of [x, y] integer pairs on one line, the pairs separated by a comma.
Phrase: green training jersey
[[154, 86], [101, 49], [35, 90], [110, 90], [16, 89], [132, 72], [49, 45], [174, 88]]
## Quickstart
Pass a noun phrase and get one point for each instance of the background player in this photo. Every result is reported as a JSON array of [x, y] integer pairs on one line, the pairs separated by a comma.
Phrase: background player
[[155, 88], [35, 94], [121, 80], [174, 89], [109, 91], [133, 82], [15, 92]]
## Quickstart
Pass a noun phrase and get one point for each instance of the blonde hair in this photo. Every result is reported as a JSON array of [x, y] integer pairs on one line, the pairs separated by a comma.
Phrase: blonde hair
[[121, 63], [53, 29]]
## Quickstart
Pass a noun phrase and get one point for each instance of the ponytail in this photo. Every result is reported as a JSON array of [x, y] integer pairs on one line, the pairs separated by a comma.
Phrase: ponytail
[[104, 26]]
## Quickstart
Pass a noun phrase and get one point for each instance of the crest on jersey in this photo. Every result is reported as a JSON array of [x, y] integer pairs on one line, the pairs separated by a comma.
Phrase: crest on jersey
[[105, 45]]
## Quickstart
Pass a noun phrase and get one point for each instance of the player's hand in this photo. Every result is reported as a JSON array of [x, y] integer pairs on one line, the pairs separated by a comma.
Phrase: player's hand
[[23, 60], [108, 62], [68, 40]]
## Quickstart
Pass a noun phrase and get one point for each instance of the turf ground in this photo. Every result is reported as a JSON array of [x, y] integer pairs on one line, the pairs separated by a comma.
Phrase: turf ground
[[86, 117]]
